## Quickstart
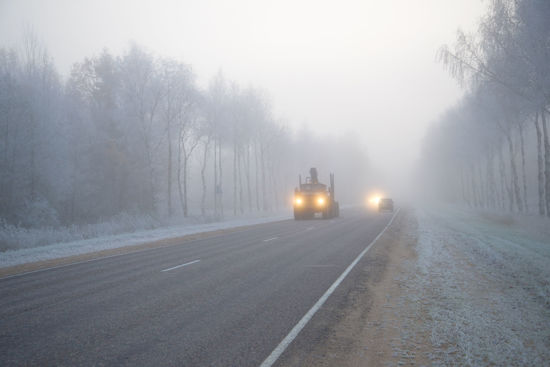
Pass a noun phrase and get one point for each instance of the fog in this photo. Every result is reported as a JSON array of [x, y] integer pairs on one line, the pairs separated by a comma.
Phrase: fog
[[366, 67], [172, 108], [200, 169]]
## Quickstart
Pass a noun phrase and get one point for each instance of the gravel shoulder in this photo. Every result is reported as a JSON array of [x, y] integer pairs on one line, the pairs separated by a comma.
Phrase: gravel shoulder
[[439, 288], [367, 322]]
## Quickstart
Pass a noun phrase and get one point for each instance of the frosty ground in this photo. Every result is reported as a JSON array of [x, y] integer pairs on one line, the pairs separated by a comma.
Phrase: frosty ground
[[445, 287], [30, 249], [487, 280]]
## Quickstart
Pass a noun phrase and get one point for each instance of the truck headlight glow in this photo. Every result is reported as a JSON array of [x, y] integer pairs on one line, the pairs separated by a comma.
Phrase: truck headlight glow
[[298, 201], [321, 201]]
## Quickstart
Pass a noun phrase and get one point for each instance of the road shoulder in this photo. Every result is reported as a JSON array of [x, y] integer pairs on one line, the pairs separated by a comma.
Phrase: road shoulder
[[367, 323], [96, 255]]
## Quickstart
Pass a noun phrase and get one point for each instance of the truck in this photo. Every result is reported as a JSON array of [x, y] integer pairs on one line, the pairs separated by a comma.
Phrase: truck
[[313, 197]]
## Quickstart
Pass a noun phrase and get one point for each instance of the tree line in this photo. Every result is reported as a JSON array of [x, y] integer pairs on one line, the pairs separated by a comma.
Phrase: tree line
[[135, 134], [492, 149]]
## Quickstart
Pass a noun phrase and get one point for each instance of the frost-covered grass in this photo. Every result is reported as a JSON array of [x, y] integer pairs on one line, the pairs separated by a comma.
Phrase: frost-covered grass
[[25, 246], [14, 237], [484, 279]]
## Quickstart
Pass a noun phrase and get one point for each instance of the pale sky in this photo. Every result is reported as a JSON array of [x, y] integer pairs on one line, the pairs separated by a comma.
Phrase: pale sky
[[366, 66]]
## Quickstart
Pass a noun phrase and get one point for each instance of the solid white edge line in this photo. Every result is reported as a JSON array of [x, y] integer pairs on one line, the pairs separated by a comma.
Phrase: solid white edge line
[[271, 239], [182, 265], [274, 356]]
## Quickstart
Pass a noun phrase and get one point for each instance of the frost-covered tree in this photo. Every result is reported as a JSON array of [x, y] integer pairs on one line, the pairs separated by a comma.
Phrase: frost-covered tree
[[130, 135], [506, 67]]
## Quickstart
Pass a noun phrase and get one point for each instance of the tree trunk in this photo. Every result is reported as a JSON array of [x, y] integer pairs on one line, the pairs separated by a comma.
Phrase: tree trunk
[[540, 167], [482, 193], [524, 176], [74, 185], [220, 186], [547, 162], [150, 199], [463, 186], [215, 177], [206, 145], [248, 191], [187, 152], [474, 186], [264, 193], [180, 192], [234, 178], [505, 188], [185, 164], [13, 184], [169, 188], [275, 185], [33, 168], [514, 173], [7, 175], [491, 185], [239, 167], [257, 175]]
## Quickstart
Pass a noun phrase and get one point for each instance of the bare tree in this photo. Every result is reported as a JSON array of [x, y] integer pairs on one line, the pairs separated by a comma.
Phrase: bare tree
[[540, 168], [178, 84], [188, 140]]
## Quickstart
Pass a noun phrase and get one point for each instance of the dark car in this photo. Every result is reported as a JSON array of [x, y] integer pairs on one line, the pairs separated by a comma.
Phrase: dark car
[[385, 204]]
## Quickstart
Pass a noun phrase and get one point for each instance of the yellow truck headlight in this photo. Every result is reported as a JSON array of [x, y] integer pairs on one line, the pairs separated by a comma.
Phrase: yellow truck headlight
[[298, 201], [321, 201]]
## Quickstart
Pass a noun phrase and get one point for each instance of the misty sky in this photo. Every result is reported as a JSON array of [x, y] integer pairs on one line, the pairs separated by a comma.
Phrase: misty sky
[[338, 66]]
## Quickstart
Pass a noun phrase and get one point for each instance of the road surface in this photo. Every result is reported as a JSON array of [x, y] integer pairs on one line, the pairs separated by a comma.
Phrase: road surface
[[220, 301]]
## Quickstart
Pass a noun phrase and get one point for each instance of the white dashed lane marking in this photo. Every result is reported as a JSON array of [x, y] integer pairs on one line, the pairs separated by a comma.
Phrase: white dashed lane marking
[[182, 265]]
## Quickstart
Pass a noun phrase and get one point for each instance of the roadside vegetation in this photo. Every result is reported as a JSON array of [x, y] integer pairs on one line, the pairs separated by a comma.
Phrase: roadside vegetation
[[132, 140], [492, 149]]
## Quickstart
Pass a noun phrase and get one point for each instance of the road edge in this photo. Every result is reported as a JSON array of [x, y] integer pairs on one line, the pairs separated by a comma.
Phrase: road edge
[[60, 262], [287, 340]]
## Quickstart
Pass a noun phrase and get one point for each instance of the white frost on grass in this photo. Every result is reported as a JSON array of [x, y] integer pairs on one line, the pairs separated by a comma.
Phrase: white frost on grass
[[486, 285], [57, 250]]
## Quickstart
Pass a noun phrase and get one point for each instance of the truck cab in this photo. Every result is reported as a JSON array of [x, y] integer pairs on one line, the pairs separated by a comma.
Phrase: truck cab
[[313, 197]]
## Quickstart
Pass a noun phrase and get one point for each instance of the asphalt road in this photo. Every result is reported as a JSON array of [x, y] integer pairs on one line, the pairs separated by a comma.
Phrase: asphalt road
[[220, 301]]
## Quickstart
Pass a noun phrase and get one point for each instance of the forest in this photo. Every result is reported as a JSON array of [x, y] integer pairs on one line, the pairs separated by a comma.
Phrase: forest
[[134, 135], [491, 150]]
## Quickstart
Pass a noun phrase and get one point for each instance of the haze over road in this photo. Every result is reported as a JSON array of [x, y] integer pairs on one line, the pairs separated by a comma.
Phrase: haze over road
[[221, 301]]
